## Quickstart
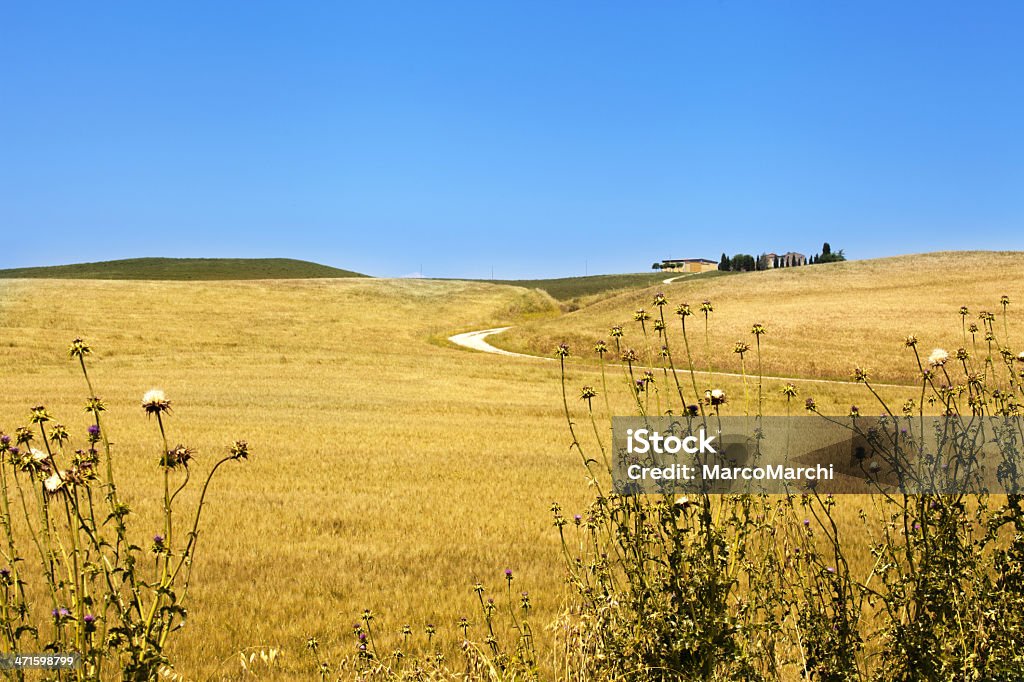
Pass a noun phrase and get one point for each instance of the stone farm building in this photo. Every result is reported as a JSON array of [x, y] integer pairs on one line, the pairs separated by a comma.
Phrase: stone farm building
[[767, 261], [688, 265]]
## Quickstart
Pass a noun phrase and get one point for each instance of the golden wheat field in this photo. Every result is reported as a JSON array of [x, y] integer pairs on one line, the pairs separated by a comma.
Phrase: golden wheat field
[[391, 470], [821, 320]]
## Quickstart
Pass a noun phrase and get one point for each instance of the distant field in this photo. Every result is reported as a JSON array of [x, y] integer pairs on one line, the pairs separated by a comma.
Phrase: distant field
[[822, 320], [184, 269], [574, 288]]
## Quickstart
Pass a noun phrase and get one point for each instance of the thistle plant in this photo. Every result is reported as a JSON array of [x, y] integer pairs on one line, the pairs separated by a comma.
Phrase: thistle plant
[[757, 587], [76, 577]]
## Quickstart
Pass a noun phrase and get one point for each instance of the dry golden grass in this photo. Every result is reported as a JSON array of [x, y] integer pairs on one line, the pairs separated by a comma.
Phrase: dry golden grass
[[388, 473], [822, 320], [391, 471]]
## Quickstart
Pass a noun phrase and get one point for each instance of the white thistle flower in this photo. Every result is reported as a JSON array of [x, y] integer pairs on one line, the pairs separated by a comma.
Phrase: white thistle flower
[[938, 358], [154, 396], [55, 482]]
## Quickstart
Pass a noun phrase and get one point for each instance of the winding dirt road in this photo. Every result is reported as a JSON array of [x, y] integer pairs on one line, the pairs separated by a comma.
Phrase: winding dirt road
[[477, 340]]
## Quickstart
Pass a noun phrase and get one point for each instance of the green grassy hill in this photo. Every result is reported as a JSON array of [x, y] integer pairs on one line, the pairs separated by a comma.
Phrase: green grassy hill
[[184, 269]]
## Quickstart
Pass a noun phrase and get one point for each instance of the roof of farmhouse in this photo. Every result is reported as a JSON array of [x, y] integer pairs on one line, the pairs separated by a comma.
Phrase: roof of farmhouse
[[688, 260]]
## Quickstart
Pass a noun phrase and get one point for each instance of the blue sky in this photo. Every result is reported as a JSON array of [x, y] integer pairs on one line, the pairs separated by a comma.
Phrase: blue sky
[[537, 139]]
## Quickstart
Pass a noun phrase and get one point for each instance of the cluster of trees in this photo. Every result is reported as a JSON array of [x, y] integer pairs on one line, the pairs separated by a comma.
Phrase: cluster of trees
[[744, 262], [827, 255], [741, 262]]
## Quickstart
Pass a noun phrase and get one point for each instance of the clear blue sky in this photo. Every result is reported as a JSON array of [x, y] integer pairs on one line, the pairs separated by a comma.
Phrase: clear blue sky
[[534, 138]]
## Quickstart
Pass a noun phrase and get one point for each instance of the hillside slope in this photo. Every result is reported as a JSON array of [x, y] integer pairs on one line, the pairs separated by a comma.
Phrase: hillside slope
[[822, 320], [184, 269]]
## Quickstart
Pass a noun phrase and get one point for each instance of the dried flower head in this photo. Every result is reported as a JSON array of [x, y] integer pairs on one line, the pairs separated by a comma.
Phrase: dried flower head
[[179, 455], [601, 348], [239, 449], [659, 299], [630, 356], [155, 402], [616, 331], [55, 482], [789, 390], [741, 348], [964, 312], [1004, 300], [79, 349], [95, 405], [715, 397], [706, 307], [810, 405], [910, 341], [39, 415], [23, 435], [562, 351], [588, 393], [683, 310], [938, 358], [860, 374], [36, 460], [641, 315], [758, 330]]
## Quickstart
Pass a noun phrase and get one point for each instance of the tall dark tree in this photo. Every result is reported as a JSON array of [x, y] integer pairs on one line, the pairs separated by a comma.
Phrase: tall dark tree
[[656, 266], [826, 249], [724, 264], [743, 262]]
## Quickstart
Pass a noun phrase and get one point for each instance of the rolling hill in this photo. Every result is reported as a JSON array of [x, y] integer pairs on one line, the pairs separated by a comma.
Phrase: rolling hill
[[184, 269], [577, 289], [822, 320]]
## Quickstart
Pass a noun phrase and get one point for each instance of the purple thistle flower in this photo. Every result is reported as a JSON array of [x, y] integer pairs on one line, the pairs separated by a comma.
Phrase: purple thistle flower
[[89, 619], [93, 430], [807, 522], [508, 574]]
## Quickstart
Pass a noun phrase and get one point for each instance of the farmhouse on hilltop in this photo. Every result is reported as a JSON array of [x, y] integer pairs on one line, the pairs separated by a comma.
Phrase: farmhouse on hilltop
[[688, 265], [767, 261]]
